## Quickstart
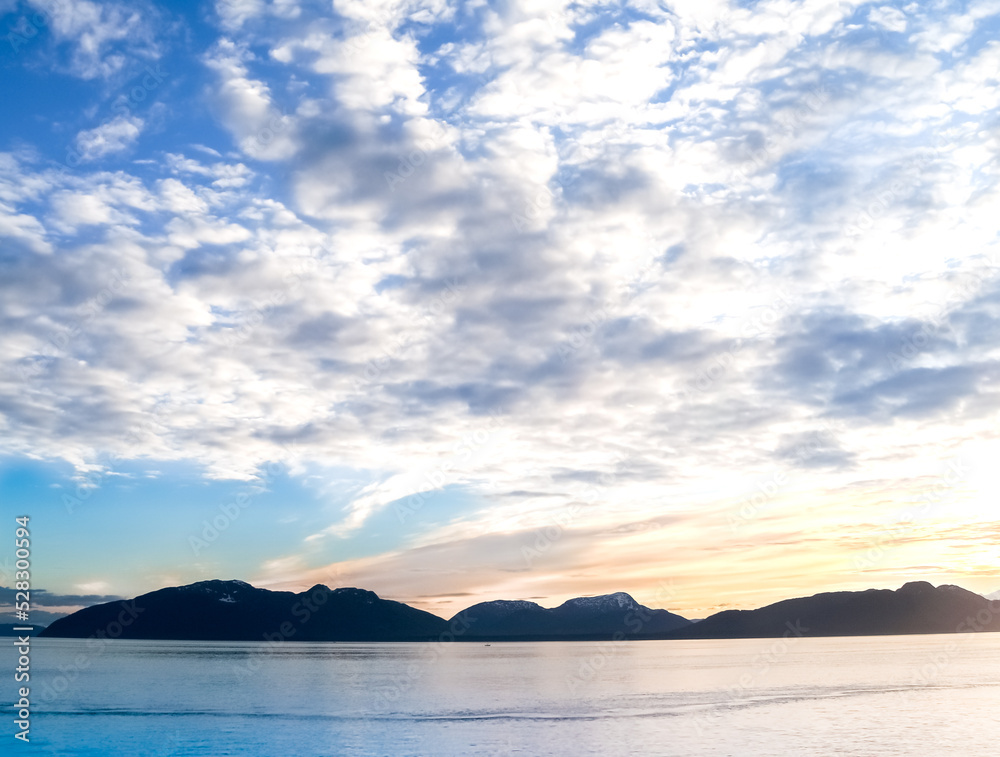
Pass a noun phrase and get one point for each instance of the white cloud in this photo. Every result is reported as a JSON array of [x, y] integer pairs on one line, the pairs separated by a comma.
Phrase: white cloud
[[23, 227], [94, 587], [235, 13], [620, 232], [245, 106], [619, 70], [369, 71], [104, 36], [190, 234], [74, 209], [109, 138], [888, 18], [180, 199]]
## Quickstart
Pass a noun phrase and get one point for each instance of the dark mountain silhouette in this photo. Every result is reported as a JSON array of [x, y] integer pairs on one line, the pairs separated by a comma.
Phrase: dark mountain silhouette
[[917, 607], [236, 611], [601, 617]]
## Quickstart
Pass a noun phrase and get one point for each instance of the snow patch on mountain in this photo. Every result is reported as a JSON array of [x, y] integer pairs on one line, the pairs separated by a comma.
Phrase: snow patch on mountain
[[604, 603]]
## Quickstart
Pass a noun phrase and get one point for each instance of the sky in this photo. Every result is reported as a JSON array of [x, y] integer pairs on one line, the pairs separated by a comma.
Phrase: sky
[[697, 300]]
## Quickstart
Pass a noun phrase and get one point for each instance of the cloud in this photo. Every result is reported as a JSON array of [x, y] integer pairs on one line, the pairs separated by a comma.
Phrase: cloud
[[44, 598], [889, 18], [115, 136], [101, 37], [60, 604], [673, 249], [246, 107]]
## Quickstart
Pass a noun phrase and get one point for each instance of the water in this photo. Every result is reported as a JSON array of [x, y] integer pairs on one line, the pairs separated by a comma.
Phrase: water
[[901, 695]]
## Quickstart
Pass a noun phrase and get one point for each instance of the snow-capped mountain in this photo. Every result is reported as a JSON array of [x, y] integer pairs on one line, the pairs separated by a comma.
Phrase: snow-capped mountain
[[235, 610], [604, 617], [604, 603]]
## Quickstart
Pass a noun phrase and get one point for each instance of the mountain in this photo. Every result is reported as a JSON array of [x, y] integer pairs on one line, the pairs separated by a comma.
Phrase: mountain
[[237, 611], [917, 607], [583, 618], [995, 596]]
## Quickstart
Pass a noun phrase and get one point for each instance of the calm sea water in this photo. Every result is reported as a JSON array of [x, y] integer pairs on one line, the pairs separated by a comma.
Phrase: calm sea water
[[902, 695]]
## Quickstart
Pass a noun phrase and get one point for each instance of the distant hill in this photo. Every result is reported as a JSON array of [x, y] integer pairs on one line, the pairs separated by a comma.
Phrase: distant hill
[[917, 607], [236, 611], [582, 618], [995, 596]]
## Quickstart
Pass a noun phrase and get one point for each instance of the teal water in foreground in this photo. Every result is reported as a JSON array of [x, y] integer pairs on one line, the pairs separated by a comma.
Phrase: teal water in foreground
[[900, 695]]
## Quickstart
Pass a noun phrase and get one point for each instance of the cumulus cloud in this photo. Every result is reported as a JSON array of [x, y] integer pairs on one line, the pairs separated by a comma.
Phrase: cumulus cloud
[[115, 136], [246, 107], [620, 262], [101, 38]]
